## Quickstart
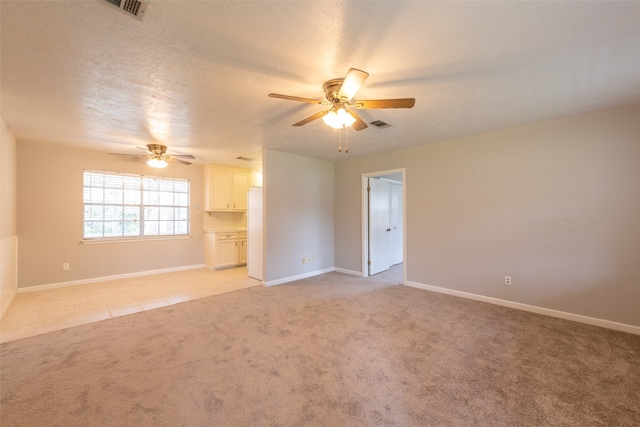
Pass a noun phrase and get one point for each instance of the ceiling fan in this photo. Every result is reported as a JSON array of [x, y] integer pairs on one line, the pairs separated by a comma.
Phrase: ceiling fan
[[339, 94], [157, 157]]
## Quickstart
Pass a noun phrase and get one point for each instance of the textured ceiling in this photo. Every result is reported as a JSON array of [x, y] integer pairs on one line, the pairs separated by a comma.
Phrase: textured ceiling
[[195, 75]]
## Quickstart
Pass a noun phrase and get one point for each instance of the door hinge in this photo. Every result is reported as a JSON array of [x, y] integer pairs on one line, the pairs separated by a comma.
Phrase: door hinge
[[369, 263], [369, 189]]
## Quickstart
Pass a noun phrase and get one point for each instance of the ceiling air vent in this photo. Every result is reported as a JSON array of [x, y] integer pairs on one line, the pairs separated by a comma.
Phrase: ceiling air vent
[[132, 7], [380, 124]]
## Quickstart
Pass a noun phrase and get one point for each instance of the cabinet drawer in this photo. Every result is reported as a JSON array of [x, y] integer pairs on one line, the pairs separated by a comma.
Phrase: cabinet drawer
[[227, 236]]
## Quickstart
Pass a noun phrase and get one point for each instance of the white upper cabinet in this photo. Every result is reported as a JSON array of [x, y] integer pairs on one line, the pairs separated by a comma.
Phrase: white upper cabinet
[[225, 189], [239, 190]]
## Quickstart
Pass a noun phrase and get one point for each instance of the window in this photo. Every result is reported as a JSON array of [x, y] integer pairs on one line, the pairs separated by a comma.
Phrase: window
[[125, 206]]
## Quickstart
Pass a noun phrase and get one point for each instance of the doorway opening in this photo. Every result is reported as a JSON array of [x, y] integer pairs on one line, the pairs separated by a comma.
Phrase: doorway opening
[[383, 222]]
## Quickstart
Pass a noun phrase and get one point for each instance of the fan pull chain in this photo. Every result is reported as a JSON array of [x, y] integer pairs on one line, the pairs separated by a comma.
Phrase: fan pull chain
[[346, 140]]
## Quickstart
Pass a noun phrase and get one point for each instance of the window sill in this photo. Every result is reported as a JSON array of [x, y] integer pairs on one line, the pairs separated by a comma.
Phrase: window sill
[[99, 241]]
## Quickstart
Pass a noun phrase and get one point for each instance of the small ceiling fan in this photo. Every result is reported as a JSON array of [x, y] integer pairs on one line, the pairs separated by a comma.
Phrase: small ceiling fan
[[339, 94], [157, 157]]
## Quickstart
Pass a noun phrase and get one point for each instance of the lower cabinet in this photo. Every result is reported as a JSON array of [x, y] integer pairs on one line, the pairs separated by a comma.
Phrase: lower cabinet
[[242, 246], [225, 249]]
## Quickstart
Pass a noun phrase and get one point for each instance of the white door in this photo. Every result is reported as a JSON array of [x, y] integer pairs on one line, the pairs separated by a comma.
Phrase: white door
[[379, 228], [395, 220]]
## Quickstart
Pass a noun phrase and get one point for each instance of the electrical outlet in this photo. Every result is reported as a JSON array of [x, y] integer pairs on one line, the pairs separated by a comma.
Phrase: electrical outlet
[[507, 280], [308, 260], [66, 266]]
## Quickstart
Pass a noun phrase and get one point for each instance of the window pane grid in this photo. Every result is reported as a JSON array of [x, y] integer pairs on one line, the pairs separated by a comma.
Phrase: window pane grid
[[123, 205]]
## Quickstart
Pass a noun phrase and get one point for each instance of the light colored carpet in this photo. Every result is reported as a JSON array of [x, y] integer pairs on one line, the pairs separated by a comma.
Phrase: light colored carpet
[[332, 350]]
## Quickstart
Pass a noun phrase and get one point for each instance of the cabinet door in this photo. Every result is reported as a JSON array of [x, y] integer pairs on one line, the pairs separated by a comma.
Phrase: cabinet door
[[210, 259], [221, 190], [208, 189], [227, 253], [240, 187], [242, 252]]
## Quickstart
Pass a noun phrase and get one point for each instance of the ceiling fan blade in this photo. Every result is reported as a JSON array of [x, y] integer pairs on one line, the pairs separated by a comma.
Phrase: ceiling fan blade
[[359, 124], [183, 156], [173, 159], [297, 98], [352, 83], [312, 118], [385, 103]]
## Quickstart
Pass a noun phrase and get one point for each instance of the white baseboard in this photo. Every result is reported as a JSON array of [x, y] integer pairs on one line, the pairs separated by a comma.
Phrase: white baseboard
[[349, 272], [531, 308], [106, 278], [298, 277]]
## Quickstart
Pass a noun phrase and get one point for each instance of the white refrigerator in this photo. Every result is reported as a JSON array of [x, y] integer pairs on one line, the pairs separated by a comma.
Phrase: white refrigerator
[[255, 234]]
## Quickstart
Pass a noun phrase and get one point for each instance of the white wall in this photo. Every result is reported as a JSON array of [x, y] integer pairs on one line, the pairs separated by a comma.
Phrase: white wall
[[298, 215], [50, 215], [554, 204], [8, 215]]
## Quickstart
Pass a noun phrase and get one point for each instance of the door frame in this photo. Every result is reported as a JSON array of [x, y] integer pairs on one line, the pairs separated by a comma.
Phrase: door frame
[[365, 218]]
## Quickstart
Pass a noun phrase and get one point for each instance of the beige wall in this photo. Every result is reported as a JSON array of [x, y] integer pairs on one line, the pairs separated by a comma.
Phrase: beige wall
[[299, 215], [8, 227], [8, 214], [225, 221], [50, 214], [555, 205]]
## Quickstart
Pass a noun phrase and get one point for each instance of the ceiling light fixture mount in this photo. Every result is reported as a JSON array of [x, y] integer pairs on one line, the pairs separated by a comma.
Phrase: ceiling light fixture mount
[[157, 158], [334, 90]]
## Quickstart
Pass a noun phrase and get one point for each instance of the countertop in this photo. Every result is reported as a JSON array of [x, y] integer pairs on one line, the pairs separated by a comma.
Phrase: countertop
[[221, 231]]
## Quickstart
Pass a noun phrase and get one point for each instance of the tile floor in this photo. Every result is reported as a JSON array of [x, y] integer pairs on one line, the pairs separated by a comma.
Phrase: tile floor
[[38, 312]]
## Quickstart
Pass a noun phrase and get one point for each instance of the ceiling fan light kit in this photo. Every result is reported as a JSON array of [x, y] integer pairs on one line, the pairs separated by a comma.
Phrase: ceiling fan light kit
[[339, 94], [339, 119], [157, 162]]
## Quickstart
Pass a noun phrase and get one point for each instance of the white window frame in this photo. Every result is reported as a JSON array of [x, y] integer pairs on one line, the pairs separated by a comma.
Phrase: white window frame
[[140, 196]]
